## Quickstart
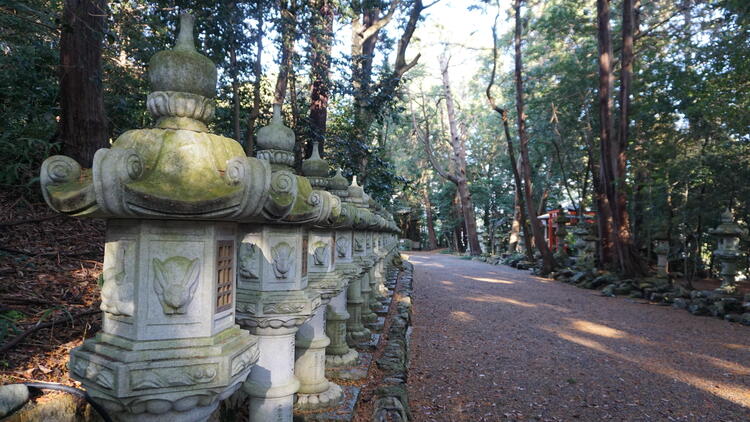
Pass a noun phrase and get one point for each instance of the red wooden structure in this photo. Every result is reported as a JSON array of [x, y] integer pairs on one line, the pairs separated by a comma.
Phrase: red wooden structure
[[549, 220]]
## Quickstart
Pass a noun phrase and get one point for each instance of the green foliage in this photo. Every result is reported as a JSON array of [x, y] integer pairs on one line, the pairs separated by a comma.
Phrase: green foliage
[[9, 324], [29, 104]]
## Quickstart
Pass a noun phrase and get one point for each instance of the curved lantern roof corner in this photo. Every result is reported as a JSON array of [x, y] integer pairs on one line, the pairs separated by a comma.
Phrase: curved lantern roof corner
[[293, 199], [176, 170], [728, 227]]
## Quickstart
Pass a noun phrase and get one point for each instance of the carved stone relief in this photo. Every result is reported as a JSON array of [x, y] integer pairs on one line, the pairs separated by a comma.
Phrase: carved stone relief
[[94, 372], [342, 246], [172, 377], [283, 308], [176, 280], [283, 260], [117, 291], [320, 253], [245, 359], [249, 261]]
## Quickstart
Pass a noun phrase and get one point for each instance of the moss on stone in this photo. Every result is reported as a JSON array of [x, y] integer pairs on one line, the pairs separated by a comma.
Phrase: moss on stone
[[180, 164]]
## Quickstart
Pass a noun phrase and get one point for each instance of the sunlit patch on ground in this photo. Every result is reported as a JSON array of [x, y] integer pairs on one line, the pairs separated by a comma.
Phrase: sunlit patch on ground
[[597, 329], [500, 299], [462, 316], [490, 280], [728, 391]]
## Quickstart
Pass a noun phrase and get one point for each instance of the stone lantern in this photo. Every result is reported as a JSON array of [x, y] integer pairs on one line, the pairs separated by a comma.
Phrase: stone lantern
[[369, 263], [359, 287], [661, 249], [585, 246], [579, 232], [728, 234], [561, 255], [340, 358], [316, 392], [169, 349], [379, 291], [273, 295]]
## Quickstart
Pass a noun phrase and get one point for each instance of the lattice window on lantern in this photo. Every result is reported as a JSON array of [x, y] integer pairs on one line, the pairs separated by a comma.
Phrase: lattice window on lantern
[[224, 274]]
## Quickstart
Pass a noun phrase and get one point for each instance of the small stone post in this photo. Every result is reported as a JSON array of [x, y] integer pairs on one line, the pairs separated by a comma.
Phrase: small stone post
[[728, 234]]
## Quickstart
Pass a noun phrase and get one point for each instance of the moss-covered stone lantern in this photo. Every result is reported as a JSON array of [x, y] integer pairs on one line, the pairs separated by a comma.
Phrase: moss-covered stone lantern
[[661, 249], [316, 392], [169, 349], [359, 286], [274, 298], [728, 234], [561, 255], [341, 360]]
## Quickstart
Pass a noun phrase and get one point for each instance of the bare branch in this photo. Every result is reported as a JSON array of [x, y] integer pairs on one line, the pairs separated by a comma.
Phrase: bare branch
[[380, 23], [425, 135], [403, 43]]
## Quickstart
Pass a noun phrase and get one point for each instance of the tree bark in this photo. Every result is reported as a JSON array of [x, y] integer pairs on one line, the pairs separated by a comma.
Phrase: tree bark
[[431, 239], [321, 43], [235, 87], [370, 98], [548, 261], [288, 9], [83, 123], [613, 149], [519, 213], [459, 161], [258, 74]]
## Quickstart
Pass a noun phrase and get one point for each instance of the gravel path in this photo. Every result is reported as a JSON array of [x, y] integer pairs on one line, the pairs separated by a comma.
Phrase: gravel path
[[492, 343]]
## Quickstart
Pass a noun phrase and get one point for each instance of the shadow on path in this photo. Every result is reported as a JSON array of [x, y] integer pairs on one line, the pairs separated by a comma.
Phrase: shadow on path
[[495, 343]]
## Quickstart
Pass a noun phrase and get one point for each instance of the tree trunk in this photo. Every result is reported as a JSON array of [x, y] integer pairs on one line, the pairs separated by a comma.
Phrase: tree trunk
[[548, 261], [431, 239], [235, 89], [320, 64], [459, 160], [288, 27], [370, 97], [519, 213], [515, 225], [613, 157], [83, 122], [258, 74]]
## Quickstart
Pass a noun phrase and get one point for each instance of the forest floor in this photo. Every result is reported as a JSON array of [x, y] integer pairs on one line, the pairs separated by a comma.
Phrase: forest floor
[[49, 266], [494, 343]]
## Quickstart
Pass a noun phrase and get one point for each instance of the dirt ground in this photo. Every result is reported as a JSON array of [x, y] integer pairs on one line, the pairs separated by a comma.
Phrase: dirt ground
[[49, 266], [492, 343]]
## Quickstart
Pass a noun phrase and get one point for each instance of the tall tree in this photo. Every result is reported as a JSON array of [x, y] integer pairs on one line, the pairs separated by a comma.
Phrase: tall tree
[[288, 24], [83, 124], [613, 148], [321, 42], [458, 176], [258, 79], [234, 73], [548, 261], [370, 96], [519, 215], [429, 217]]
